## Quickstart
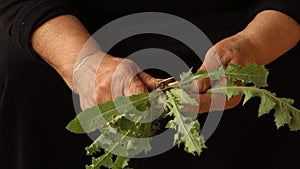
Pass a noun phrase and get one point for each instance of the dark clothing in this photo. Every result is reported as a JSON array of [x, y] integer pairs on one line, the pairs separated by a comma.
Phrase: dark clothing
[[36, 105], [21, 17]]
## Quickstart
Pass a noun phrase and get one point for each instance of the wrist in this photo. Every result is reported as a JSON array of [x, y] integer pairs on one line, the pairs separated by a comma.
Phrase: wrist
[[85, 70], [273, 33], [66, 72]]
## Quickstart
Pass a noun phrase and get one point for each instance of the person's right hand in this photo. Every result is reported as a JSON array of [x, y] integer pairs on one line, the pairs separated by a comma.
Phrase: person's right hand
[[103, 77]]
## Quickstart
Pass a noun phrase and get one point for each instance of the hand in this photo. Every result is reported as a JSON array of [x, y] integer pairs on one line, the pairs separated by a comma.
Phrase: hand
[[237, 49], [103, 77]]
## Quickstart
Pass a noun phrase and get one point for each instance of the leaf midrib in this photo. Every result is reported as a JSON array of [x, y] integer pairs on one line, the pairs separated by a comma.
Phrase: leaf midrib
[[257, 89]]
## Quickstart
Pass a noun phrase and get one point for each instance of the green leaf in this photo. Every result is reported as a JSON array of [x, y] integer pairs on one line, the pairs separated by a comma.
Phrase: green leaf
[[294, 124], [186, 125], [86, 121], [98, 116], [284, 112], [266, 104], [183, 97], [104, 160], [121, 121], [251, 73], [196, 144], [121, 162], [186, 79], [94, 147]]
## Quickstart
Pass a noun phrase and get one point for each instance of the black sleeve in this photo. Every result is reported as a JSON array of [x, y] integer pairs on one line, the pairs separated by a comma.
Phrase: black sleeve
[[22, 17], [289, 7]]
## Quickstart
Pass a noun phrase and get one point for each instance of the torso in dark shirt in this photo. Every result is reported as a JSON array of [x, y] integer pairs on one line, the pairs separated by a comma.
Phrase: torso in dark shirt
[[102, 12], [36, 105]]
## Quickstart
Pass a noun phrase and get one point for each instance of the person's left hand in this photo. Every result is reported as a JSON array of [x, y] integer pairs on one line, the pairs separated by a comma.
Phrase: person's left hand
[[237, 49]]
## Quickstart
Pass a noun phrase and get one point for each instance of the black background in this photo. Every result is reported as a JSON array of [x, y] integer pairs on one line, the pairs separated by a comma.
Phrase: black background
[[36, 106]]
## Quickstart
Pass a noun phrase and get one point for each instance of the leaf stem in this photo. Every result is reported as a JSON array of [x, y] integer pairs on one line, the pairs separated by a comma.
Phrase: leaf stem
[[110, 150], [224, 88]]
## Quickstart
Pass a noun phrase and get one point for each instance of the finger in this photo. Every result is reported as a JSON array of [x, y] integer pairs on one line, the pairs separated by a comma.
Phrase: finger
[[148, 80], [202, 85], [87, 102], [220, 82], [103, 96], [136, 86], [206, 104], [212, 61]]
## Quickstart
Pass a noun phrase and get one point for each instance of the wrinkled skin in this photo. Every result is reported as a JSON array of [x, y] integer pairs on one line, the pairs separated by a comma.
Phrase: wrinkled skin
[[111, 77], [236, 49]]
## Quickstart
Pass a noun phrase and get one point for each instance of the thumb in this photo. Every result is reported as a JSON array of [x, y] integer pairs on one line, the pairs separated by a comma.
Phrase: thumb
[[212, 61], [148, 80], [136, 86], [201, 86]]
